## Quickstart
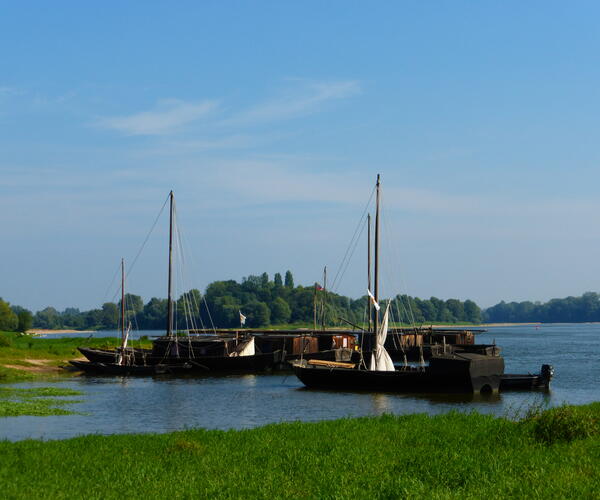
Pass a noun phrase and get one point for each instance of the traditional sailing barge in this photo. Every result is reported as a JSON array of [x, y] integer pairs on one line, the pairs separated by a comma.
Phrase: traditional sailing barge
[[463, 371]]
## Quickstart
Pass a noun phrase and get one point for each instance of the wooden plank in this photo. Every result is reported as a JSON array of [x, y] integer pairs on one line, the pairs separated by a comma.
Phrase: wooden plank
[[322, 362]]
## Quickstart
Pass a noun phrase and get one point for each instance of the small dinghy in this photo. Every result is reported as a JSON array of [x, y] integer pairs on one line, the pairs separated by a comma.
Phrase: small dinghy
[[527, 382]]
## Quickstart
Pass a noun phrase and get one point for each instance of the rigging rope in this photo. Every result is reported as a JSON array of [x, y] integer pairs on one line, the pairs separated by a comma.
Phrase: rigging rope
[[336, 282]]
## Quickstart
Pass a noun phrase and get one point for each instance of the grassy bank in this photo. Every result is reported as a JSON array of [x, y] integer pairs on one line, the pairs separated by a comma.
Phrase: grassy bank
[[555, 454], [24, 357]]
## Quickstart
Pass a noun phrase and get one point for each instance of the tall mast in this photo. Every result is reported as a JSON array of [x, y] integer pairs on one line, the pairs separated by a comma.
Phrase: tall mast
[[376, 292], [323, 298], [170, 299], [369, 267], [122, 302]]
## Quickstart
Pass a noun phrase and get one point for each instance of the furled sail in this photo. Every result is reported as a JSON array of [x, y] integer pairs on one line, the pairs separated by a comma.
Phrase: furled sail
[[380, 360], [246, 349]]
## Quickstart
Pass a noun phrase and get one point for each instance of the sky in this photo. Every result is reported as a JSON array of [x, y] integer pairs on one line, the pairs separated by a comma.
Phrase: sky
[[270, 122]]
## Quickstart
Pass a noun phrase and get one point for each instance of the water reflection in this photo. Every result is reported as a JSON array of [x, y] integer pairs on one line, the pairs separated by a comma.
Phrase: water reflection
[[381, 404]]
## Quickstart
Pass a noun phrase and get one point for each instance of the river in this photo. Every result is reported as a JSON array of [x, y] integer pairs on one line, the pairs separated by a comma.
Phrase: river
[[142, 405]]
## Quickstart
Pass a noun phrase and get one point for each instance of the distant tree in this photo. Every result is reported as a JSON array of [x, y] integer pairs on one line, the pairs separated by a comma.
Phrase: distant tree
[[110, 315], [429, 311], [47, 318], [188, 309], [25, 321], [301, 302], [257, 314], [456, 308], [472, 312], [8, 319], [251, 284], [280, 311], [71, 317], [134, 304], [289, 279], [277, 280], [264, 279], [92, 318], [154, 316]]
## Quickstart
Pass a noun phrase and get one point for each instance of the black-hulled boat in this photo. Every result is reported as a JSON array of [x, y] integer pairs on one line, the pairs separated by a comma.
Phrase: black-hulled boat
[[468, 373], [529, 381], [460, 372], [141, 356], [173, 353]]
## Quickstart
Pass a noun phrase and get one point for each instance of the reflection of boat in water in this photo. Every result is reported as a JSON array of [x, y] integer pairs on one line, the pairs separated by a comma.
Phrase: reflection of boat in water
[[459, 372], [97, 368]]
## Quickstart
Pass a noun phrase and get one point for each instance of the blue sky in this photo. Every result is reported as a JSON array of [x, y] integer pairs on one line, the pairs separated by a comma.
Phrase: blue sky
[[270, 120]]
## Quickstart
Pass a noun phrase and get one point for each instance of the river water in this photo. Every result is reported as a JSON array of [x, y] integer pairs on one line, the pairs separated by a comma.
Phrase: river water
[[126, 405]]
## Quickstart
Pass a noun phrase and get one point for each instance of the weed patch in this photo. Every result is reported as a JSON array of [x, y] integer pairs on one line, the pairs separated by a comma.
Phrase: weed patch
[[38, 402], [564, 424]]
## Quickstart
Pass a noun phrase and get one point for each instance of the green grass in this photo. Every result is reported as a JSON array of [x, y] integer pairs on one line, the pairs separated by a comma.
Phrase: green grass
[[16, 348], [22, 346], [447, 456], [39, 402]]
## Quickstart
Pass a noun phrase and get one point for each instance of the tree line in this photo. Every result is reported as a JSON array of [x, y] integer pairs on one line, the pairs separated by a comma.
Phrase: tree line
[[585, 308], [259, 299]]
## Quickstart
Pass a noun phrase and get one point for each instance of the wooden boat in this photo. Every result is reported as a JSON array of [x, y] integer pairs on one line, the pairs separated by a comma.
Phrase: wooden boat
[[527, 382], [235, 364], [209, 353], [464, 372], [141, 356], [467, 373]]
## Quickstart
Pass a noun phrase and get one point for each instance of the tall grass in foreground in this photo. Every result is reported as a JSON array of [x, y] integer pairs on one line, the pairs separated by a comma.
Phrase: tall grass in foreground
[[447, 456]]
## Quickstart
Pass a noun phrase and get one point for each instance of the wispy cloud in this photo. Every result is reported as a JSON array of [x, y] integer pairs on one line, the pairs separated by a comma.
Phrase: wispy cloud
[[10, 91], [301, 101], [187, 147], [168, 116]]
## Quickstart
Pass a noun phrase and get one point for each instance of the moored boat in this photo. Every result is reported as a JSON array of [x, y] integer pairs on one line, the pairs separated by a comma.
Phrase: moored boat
[[459, 372], [529, 381]]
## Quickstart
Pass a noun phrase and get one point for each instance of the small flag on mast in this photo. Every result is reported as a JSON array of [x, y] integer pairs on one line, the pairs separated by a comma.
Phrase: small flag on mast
[[375, 304], [242, 318], [318, 287]]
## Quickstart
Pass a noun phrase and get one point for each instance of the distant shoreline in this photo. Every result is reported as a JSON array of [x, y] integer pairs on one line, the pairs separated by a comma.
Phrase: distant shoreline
[[45, 331]]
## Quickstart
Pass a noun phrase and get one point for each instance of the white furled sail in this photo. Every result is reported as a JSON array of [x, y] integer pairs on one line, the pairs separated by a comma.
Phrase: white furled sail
[[246, 350], [380, 360]]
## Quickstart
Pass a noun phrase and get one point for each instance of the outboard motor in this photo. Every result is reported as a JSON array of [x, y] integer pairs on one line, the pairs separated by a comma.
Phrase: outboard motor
[[546, 375]]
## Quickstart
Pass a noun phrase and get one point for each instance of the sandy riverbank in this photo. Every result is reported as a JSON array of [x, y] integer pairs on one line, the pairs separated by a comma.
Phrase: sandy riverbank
[[41, 331]]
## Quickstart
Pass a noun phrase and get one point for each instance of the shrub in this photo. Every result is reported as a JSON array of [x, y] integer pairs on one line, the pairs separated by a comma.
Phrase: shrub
[[563, 424], [5, 341]]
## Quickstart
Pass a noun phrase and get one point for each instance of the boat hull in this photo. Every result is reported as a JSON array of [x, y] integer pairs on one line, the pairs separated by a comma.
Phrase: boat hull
[[141, 356], [94, 368], [235, 364], [449, 374], [528, 382]]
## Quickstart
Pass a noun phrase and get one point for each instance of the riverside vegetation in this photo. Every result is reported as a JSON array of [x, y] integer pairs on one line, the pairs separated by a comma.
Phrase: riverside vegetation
[[279, 302], [37, 402], [263, 301], [548, 454], [23, 357]]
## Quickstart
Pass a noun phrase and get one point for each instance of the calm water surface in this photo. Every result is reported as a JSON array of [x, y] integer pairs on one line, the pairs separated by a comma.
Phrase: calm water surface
[[125, 405]]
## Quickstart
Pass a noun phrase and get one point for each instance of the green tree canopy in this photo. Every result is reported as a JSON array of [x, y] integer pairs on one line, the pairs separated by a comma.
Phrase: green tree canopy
[[289, 279], [8, 319]]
